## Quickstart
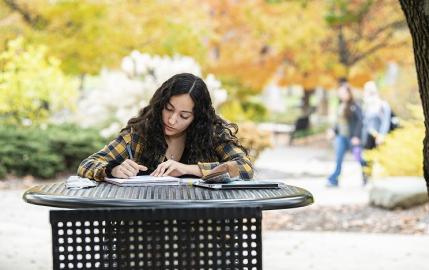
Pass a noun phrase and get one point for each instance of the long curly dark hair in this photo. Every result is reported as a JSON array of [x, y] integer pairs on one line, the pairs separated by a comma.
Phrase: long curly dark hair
[[348, 110], [206, 131]]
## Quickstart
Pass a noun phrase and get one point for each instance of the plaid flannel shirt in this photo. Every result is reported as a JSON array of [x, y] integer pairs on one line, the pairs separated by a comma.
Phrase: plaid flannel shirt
[[94, 167]]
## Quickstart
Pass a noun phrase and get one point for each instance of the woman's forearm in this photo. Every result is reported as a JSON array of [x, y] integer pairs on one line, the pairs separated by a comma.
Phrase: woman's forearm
[[194, 170]]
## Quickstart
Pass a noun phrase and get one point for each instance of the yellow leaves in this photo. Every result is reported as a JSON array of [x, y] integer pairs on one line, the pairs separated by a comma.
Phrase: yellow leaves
[[359, 79], [248, 40], [89, 35], [232, 111], [32, 86], [401, 154], [245, 41], [253, 139], [251, 70]]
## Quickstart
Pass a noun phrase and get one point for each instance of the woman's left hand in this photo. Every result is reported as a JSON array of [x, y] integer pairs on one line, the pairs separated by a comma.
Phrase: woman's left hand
[[170, 168]]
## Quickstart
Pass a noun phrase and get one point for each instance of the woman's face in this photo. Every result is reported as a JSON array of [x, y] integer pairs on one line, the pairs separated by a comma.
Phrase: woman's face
[[177, 115], [344, 94]]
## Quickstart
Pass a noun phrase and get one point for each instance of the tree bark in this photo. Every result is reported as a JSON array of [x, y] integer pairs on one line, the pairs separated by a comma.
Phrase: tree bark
[[34, 20], [415, 12], [305, 101], [324, 103], [343, 50]]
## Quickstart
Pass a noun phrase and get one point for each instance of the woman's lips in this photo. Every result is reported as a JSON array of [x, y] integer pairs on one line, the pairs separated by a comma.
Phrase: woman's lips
[[168, 127]]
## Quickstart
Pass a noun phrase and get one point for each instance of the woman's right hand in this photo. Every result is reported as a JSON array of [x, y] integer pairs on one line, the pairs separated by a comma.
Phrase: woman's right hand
[[127, 169]]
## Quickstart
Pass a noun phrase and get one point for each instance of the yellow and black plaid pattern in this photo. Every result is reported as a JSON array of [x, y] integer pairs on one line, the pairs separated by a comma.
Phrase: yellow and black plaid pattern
[[94, 167]]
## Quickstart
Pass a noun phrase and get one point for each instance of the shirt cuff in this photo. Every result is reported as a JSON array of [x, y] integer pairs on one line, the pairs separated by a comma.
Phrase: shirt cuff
[[100, 174], [207, 167]]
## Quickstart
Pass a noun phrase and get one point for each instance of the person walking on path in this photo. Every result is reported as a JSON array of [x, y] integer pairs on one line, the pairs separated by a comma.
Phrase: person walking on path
[[347, 131], [376, 117]]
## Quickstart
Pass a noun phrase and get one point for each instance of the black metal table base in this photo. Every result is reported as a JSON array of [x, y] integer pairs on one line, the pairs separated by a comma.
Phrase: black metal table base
[[157, 238]]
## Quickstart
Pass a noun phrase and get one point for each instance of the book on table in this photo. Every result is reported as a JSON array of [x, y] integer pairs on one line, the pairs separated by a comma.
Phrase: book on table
[[145, 180]]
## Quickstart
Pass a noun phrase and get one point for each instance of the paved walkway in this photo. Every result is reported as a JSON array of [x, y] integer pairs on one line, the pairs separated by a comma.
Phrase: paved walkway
[[349, 251], [25, 230], [309, 168]]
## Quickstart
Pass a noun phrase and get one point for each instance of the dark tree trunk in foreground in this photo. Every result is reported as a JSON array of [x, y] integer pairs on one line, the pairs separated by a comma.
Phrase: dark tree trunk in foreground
[[417, 15]]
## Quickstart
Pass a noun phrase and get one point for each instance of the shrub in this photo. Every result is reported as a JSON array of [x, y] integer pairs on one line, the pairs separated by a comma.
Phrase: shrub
[[236, 111], [253, 139], [43, 153], [401, 154], [27, 151], [255, 110]]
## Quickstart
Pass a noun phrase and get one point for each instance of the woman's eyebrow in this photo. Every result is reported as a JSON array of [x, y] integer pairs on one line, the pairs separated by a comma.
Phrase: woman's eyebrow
[[175, 107]]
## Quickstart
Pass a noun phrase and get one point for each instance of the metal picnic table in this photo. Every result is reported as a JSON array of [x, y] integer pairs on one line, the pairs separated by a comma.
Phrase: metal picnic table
[[160, 227]]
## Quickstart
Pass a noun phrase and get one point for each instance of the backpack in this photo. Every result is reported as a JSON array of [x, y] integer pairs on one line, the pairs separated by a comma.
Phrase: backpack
[[394, 121]]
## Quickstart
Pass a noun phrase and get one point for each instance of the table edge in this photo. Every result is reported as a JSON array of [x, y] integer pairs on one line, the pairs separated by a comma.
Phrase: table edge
[[74, 202]]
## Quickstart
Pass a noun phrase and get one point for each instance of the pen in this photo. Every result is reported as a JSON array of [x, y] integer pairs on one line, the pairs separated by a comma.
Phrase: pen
[[129, 151]]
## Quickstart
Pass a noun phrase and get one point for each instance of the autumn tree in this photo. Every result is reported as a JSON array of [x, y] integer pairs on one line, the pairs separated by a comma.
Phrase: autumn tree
[[417, 16], [305, 58], [365, 34], [341, 38], [89, 35], [307, 43], [241, 46]]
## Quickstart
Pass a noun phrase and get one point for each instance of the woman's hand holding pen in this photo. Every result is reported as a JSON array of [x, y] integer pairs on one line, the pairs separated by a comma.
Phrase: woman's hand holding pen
[[127, 169], [171, 168]]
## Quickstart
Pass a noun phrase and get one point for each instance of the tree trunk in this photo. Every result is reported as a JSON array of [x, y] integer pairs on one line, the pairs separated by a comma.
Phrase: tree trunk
[[306, 110], [417, 15], [324, 103], [81, 82], [343, 50]]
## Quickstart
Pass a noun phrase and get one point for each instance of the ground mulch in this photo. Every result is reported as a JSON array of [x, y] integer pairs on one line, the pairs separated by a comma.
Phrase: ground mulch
[[350, 218]]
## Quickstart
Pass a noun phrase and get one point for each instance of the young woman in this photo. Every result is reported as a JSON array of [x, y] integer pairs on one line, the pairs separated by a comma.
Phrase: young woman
[[347, 130], [177, 134]]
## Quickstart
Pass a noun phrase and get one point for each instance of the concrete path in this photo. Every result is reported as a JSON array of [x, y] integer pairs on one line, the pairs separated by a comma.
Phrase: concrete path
[[25, 234], [338, 251], [308, 168]]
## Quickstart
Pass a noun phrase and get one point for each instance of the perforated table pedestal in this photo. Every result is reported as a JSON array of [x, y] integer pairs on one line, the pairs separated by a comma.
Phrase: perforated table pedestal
[[201, 238]]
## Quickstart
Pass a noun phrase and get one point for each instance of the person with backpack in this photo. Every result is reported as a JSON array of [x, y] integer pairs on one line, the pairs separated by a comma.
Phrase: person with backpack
[[377, 116], [377, 122]]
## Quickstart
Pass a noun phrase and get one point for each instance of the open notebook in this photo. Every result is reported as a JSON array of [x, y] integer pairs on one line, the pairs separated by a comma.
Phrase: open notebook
[[145, 180]]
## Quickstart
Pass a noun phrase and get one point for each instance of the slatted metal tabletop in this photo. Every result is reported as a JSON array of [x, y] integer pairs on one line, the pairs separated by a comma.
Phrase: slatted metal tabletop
[[184, 196]]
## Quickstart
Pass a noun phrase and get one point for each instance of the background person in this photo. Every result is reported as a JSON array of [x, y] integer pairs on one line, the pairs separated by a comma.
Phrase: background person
[[376, 117], [347, 131]]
